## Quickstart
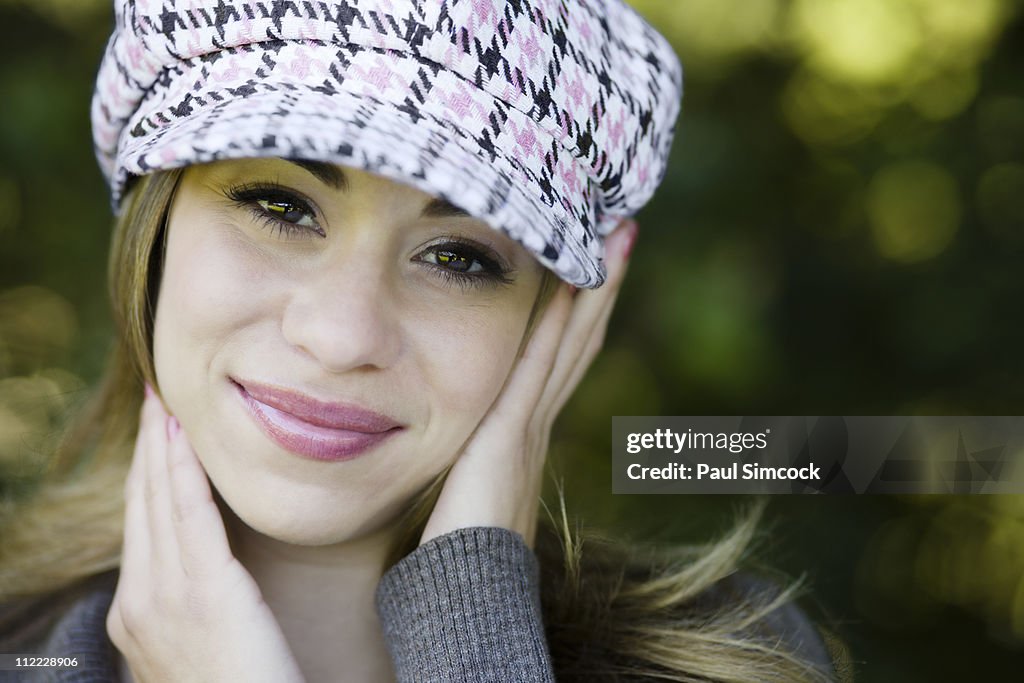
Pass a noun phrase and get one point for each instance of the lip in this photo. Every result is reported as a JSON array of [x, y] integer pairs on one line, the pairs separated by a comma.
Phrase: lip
[[316, 429]]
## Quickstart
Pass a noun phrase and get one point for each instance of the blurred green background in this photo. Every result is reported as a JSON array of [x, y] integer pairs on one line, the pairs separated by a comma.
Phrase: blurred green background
[[840, 232]]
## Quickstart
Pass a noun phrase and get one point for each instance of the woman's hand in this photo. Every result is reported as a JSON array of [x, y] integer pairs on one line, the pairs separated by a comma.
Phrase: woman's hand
[[185, 609], [497, 478]]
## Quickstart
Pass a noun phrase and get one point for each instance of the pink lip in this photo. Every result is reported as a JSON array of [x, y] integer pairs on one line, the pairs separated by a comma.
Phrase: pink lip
[[313, 428]]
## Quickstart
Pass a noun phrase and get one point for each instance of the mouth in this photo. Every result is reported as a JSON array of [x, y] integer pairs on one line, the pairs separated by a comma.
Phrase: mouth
[[312, 428]]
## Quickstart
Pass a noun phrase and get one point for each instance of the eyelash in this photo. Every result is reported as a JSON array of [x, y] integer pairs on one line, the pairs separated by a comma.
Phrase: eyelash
[[248, 196]]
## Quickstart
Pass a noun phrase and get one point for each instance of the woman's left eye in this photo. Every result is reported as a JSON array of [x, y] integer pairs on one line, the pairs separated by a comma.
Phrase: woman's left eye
[[454, 260], [463, 263]]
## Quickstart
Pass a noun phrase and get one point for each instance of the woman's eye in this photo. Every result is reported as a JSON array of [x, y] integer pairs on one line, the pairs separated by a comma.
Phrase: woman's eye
[[287, 211], [466, 264], [454, 260], [279, 209]]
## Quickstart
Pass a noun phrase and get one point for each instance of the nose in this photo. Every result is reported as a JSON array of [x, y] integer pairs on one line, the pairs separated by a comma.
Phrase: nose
[[342, 315]]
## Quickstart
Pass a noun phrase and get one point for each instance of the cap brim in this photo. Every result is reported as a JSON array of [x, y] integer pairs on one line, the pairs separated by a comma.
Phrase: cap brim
[[429, 153]]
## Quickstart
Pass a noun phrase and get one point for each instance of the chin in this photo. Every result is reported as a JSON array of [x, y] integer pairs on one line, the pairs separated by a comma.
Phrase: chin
[[304, 520]]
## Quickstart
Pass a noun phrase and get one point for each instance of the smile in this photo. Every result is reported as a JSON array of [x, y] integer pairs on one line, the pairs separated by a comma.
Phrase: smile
[[314, 429]]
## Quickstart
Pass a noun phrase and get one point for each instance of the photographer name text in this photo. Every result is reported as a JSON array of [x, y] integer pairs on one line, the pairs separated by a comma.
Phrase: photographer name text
[[690, 440]]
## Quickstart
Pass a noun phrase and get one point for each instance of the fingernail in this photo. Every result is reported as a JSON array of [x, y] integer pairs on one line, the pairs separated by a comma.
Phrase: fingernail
[[634, 229], [173, 427]]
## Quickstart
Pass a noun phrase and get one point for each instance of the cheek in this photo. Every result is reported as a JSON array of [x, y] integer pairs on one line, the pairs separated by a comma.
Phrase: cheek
[[209, 291], [465, 359]]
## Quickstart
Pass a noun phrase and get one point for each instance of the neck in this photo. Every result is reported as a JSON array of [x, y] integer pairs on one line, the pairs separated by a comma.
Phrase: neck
[[323, 598]]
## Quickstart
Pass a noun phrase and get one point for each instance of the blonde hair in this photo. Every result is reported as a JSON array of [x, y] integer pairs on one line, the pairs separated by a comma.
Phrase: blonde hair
[[612, 612]]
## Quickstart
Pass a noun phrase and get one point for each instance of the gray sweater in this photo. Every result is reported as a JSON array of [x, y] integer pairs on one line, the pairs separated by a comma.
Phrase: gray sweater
[[464, 606]]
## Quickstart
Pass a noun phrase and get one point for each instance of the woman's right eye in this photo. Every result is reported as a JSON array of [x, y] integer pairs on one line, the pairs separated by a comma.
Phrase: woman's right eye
[[278, 209]]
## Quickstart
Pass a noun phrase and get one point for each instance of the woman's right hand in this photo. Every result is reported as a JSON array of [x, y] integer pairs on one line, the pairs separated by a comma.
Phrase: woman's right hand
[[185, 608]]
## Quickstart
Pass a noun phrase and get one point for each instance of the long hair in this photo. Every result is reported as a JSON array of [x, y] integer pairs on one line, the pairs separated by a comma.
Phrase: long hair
[[612, 612]]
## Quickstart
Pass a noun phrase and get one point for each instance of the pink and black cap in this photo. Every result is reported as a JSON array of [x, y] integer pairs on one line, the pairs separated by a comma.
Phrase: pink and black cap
[[549, 119]]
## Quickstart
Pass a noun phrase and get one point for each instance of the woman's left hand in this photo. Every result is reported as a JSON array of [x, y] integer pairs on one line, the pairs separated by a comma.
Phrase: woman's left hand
[[497, 478]]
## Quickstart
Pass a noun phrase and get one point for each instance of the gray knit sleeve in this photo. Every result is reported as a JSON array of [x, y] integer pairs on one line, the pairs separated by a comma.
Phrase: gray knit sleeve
[[465, 606]]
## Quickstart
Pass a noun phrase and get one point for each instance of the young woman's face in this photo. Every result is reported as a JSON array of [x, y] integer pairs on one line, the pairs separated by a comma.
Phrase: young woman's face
[[329, 339]]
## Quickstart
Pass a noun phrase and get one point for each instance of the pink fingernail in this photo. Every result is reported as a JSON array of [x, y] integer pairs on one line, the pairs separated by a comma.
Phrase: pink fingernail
[[173, 427], [634, 229]]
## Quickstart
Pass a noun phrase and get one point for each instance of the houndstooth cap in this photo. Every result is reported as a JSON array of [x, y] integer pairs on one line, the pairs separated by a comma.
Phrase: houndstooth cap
[[549, 119]]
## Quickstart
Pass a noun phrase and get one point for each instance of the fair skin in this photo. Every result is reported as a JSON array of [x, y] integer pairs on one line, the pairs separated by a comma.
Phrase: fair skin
[[343, 287]]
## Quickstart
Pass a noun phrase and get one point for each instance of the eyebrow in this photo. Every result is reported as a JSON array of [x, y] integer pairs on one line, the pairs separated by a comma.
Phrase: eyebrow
[[328, 174], [331, 175], [442, 208]]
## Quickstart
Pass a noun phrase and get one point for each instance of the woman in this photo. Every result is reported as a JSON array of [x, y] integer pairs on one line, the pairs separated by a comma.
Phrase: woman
[[342, 346]]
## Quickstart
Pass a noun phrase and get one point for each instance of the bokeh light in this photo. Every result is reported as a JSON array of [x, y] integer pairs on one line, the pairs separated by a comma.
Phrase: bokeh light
[[712, 34], [37, 330], [865, 41], [915, 209]]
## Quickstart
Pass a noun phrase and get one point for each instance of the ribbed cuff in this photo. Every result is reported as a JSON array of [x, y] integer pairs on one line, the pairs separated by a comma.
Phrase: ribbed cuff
[[465, 606]]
